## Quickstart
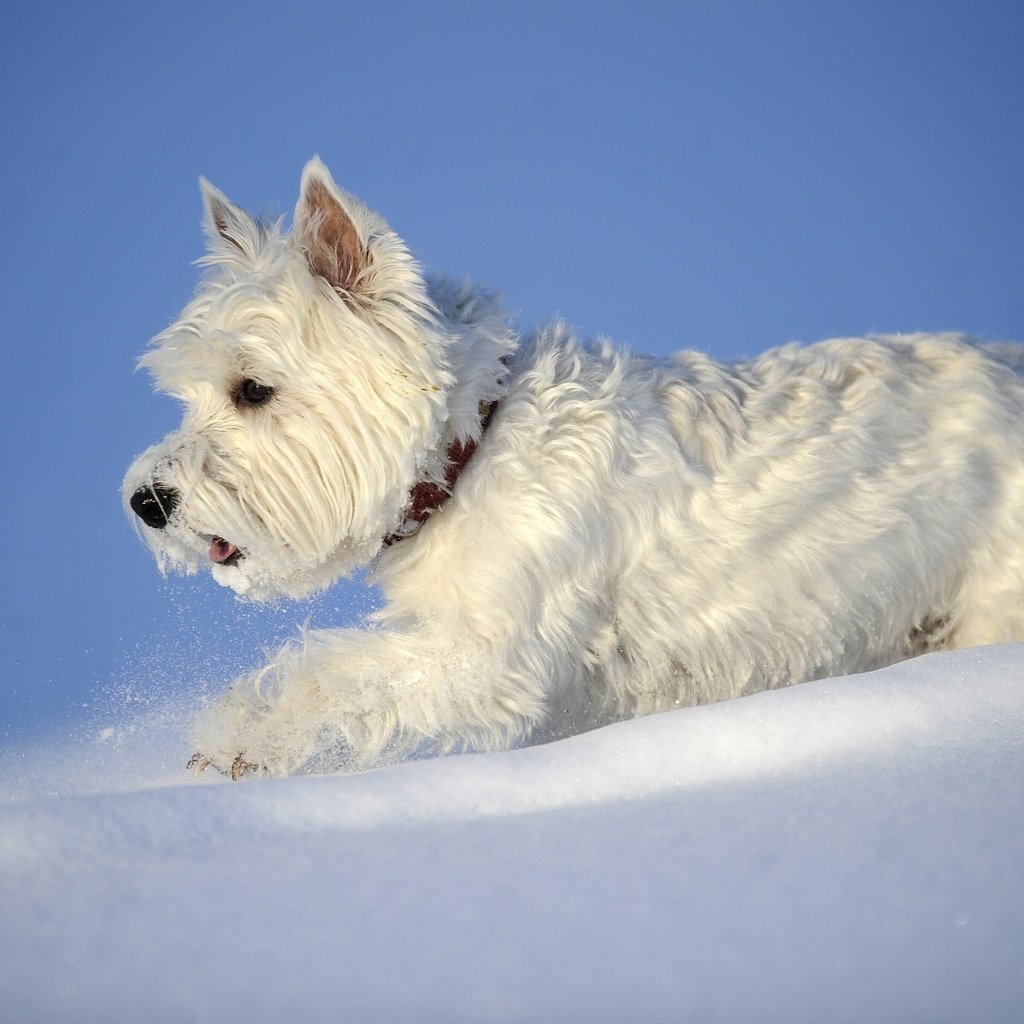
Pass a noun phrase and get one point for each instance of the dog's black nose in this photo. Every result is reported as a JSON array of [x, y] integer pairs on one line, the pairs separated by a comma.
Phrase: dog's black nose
[[154, 505]]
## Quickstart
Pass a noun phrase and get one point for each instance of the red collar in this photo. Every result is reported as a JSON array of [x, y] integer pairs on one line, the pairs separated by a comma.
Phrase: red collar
[[426, 497]]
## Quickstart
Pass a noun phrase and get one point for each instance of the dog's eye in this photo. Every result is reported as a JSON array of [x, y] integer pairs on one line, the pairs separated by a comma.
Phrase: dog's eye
[[250, 392]]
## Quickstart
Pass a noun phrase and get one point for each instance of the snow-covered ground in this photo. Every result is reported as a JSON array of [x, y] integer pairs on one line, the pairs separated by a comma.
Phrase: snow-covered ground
[[847, 850]]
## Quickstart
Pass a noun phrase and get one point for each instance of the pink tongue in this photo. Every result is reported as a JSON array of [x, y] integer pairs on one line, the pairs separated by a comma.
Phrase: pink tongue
[[221, 550]]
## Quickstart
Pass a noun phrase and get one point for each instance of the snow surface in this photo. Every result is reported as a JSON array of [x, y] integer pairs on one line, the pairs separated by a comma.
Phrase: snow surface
[[847, 850]]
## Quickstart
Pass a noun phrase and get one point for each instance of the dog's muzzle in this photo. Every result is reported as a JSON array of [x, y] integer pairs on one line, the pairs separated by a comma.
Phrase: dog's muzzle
[[154, 505]]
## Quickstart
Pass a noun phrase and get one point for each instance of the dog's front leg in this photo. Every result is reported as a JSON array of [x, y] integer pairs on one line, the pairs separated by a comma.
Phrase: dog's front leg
[[353, 698]]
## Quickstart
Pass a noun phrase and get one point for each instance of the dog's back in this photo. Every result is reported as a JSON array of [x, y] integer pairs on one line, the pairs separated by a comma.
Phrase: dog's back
[[818, 510]]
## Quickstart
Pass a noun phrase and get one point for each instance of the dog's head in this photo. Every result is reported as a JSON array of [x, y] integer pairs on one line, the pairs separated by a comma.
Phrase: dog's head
[[314, 374]]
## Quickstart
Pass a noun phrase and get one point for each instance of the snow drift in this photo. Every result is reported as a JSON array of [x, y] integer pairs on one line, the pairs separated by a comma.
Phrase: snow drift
[[847, 850]]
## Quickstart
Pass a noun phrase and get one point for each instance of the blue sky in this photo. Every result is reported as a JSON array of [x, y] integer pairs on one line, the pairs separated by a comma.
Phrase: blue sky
[[726, 176]]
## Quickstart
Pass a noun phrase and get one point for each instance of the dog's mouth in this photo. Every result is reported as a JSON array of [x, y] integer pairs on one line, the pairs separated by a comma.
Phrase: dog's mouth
[[223, 552]]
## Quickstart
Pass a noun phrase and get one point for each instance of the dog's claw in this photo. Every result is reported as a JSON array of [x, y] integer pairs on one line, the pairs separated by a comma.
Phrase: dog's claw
[[198, 763], [241, 767]]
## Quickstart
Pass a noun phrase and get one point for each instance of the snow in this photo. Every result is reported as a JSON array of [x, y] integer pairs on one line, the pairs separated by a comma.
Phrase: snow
[[846, 850]]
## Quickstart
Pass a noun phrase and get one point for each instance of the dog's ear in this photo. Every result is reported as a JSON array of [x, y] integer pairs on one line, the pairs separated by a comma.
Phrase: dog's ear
[[334, 245], [224, 221]]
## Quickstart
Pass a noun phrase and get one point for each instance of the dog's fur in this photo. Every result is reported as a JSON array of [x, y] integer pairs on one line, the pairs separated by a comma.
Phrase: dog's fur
[[630, 535]]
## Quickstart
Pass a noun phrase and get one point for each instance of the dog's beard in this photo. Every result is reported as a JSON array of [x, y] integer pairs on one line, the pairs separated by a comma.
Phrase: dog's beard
[[256, 571], [244, 548]]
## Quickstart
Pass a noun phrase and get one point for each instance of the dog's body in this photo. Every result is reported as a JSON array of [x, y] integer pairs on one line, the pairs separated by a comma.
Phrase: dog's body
[[624, 534]]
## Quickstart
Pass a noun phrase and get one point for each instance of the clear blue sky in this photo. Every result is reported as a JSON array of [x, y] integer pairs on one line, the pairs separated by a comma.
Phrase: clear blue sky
[[720, 175]]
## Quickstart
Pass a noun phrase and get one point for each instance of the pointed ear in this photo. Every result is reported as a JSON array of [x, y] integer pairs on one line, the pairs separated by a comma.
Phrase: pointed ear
[[224, 221], [334, 245]]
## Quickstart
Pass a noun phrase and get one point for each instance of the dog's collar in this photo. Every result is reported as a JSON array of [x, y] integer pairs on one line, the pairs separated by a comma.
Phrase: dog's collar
[[427, 497]]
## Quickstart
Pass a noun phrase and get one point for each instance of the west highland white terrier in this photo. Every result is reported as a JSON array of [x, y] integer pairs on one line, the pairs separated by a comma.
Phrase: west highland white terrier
[[566, 533]]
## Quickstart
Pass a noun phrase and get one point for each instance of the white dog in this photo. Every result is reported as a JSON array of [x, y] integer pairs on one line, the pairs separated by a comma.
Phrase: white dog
[[566, 533]]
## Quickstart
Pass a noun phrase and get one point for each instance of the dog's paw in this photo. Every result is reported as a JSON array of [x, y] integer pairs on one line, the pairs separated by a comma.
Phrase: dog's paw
[[239, 768]]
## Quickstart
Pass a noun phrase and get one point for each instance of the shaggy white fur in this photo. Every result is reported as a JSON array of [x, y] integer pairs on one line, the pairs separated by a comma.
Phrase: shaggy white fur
[[631, 534]]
